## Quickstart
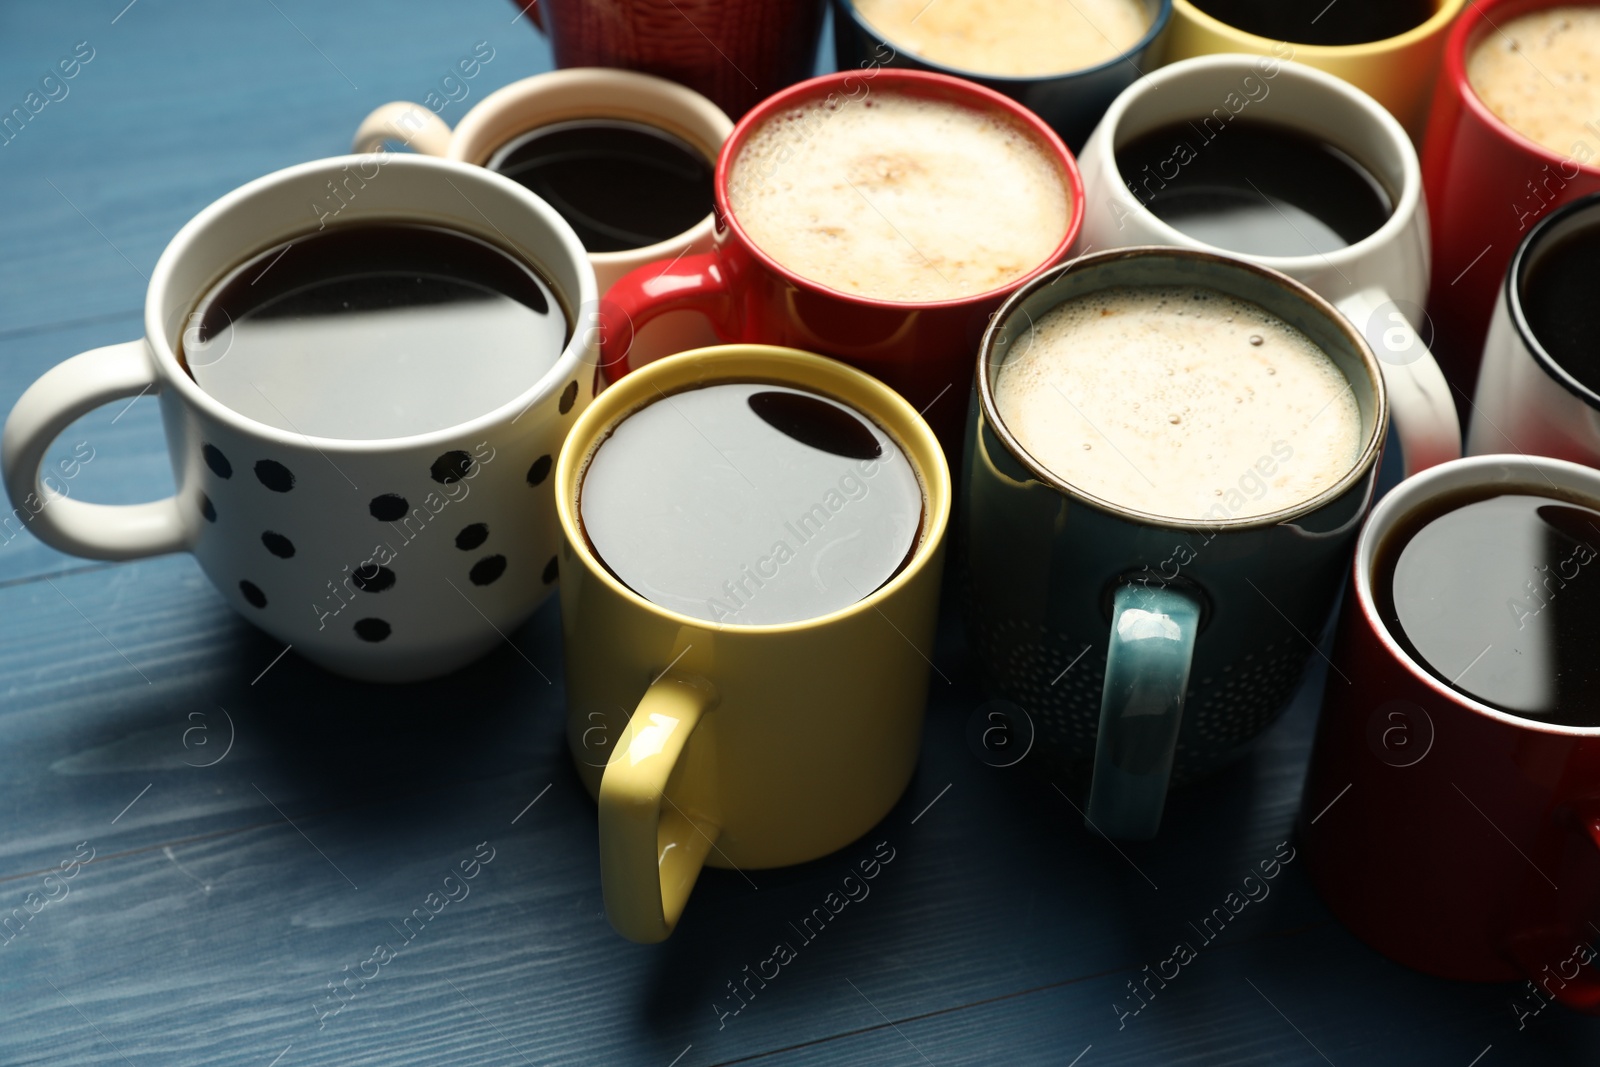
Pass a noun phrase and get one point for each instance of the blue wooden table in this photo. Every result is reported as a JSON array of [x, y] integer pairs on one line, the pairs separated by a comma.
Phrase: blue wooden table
[[258, 827]]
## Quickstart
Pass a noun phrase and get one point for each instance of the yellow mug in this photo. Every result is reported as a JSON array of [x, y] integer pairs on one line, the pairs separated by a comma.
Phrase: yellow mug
[[740, 746], [1399, 72]]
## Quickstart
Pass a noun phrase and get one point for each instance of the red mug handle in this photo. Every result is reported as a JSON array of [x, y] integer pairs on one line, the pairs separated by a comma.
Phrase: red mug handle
[[688, 283], [1579, 990]]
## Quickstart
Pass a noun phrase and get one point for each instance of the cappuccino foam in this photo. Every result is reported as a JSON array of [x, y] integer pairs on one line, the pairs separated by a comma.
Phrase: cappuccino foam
[[1536, 75], [1181, 402], [898, 198], [1015, 38]]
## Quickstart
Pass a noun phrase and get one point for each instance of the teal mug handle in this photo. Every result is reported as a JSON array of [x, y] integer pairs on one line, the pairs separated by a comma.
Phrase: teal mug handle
[[1141, 706]]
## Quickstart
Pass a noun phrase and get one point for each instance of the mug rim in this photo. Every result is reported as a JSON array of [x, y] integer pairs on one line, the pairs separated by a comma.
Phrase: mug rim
[[1358, 470], [1446, 11], [658, 97], [1515, 275], [1014, 81], [172, 376], [1402, 215], [893, 413], [918, 83], [1473, 25], [1416, 492]]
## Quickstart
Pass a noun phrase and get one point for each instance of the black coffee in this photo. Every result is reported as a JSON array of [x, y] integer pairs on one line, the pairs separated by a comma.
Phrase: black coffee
[[1254, 187], [374, 330], [1561, 299], [748, 504], [1320, 22], [621, 185], [1497, 593]]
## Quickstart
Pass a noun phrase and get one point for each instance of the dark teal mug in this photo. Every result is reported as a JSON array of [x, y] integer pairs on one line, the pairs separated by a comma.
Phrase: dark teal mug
[[1071, 102], [1148, 649]]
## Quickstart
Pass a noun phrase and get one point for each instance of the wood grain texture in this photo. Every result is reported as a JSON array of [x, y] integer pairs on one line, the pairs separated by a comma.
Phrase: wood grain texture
[[230, 885]]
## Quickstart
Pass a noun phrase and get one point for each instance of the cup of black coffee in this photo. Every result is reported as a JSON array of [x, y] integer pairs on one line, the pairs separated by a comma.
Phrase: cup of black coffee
[[626, 158], [1538, 389], [362, 417], [1293, 169]]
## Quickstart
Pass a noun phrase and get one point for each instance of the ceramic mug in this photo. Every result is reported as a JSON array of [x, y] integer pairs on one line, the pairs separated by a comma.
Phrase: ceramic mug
[[1450, 836], [1526, 400], [1071, 102], [1146, 648], [1487, 184], [922, 350], [1377, 282], [565, 96], [733, 51], [770, 745], [337, 507], [1398, 71]]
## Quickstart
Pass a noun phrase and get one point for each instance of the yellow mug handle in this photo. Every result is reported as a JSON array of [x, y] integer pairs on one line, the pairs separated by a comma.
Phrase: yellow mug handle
[[649, 859]]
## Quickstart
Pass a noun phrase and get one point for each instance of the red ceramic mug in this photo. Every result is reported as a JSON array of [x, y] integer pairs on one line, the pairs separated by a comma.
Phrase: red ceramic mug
[[1486, 186], [926, 351], [734, 51], [1451, 836]]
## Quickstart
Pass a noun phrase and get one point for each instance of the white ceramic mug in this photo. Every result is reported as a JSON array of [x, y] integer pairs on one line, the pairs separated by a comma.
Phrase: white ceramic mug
[[432, 509], [1525, 400], [1379, 282], [563, 96]]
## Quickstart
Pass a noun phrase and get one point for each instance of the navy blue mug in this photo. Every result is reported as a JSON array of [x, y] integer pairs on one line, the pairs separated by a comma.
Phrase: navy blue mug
[[1072, 102], [1147, 649]]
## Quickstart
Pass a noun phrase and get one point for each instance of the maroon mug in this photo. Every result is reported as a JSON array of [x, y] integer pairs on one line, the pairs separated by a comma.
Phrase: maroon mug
[[734, 51], [926, 351], [1449, 835]]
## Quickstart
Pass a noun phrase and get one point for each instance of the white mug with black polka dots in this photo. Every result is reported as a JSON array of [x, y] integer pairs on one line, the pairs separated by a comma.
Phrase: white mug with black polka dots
[[388, 556]]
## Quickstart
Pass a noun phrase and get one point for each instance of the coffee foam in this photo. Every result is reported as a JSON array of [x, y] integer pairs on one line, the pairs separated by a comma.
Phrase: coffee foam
[[1179, 401], [1536, 74], [1017, 38], [898, 198]]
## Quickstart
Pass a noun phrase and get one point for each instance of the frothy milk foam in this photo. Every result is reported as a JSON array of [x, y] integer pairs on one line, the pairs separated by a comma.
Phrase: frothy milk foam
[[1536, 75], [1018, 38], [1181, 402], [898, 198]]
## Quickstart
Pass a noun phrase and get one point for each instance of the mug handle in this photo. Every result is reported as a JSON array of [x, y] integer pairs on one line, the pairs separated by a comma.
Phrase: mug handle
[[61, 396], [691, 283], [649, 859], [411, 124], [1141, 706], [1419, 397]]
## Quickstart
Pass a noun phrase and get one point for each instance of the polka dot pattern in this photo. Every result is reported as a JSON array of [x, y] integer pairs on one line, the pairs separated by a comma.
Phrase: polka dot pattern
[[451, 467], [487, 569], [373, 630], [388, 507], [278, 544], [372, 578], [207, 508], [569, 396], [540, 470], [274, 475], [217, 461], [253, 594], [552, 571], [472, 536]]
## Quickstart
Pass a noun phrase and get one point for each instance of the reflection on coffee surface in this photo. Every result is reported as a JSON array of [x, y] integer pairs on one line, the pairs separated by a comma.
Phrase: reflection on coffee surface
[[374, 330], [1318, 22], [750, 504], [621, 185], [1495, 591], [1014, 38], [1253, 187], [1178, 401], [1560, 295], [1538, 74], [898, 198]]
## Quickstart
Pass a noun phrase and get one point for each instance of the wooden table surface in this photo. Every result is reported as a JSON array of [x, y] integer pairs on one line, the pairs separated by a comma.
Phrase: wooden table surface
[[258, 826]]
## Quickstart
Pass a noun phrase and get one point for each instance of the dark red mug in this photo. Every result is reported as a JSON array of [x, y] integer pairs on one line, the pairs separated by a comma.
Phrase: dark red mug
[[925, 351], [1486, 185], [734, 51], [1450, 836]]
